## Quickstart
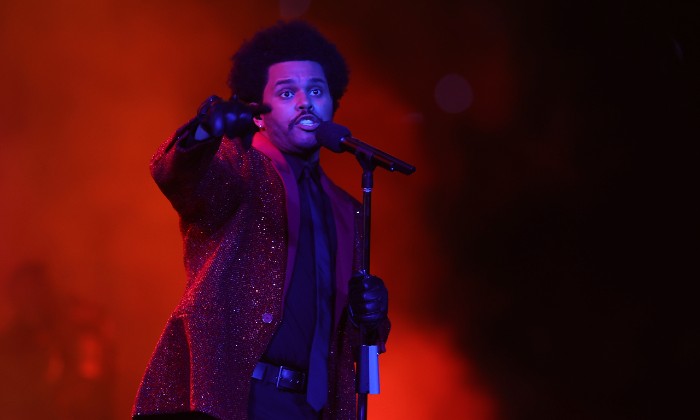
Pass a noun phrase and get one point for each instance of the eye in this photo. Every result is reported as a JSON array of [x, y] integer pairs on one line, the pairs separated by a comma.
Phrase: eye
[[286, 94], [316, 92]]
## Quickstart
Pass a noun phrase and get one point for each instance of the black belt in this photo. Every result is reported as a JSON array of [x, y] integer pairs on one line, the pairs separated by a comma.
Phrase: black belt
[[280, 376]]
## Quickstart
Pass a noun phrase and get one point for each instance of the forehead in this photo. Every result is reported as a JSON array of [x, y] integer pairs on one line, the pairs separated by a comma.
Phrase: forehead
[[289, 72]]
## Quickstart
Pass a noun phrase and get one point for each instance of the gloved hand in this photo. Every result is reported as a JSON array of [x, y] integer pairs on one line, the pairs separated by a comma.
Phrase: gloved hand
[[368, 300], [233, 118]]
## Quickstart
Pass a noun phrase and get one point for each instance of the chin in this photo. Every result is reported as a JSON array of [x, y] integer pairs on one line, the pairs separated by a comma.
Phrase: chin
[[307, 141], [308, 148]]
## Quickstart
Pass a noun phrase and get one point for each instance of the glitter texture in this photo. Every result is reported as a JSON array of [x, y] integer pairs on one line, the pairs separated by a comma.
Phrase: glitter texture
[[239, 225]]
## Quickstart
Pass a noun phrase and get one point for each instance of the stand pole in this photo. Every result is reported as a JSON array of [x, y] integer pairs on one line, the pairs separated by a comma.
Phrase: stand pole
[[367, 363], [338, 139]]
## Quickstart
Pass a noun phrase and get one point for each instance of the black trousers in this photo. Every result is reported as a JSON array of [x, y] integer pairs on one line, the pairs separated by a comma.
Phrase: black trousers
[[269, 403]]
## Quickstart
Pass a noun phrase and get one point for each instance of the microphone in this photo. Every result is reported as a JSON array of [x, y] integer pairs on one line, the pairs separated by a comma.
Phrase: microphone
[[338, 139]]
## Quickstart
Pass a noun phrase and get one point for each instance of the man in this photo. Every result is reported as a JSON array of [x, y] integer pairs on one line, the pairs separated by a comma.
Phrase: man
[[268, 323]]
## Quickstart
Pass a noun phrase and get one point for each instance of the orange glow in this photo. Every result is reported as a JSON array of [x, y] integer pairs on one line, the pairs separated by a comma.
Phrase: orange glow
[[89, 91], [423, 377]]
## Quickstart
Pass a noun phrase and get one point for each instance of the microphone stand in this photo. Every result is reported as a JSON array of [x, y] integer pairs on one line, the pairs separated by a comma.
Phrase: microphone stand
[[338, 139], [367, 374]]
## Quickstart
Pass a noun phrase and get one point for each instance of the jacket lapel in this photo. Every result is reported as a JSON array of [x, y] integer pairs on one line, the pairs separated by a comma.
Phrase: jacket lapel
[[342, 214], [280, 164], [345, 233]]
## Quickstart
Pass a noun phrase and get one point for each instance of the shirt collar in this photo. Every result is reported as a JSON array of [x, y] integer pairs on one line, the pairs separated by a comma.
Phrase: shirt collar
[[298, 163]]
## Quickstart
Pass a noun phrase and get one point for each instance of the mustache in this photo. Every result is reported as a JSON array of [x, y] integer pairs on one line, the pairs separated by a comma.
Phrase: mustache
[[304, 114]]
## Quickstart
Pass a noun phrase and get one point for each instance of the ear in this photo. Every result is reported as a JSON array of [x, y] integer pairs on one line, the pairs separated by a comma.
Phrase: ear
[[257, 119]]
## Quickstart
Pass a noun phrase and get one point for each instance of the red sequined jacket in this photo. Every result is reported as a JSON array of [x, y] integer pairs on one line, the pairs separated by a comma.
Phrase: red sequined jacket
[[239, 218]]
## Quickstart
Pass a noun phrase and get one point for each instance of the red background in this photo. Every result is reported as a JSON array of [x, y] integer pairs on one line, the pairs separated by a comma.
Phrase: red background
[[537, 259]]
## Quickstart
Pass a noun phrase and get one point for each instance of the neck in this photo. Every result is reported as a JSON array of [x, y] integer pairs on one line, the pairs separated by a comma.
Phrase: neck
[[311, 156]]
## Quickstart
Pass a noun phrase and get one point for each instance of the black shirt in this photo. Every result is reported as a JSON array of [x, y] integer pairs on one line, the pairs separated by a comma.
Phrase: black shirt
[[291, 344]]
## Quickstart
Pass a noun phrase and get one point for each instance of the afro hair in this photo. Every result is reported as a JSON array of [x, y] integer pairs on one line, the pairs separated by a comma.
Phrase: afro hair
[[286, 41]]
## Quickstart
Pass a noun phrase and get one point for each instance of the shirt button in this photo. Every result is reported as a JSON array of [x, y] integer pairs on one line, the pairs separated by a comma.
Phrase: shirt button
[[267, 318]]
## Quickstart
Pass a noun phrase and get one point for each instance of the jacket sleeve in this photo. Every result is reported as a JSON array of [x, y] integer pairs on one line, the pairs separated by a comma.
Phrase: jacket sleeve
[[201, 179]]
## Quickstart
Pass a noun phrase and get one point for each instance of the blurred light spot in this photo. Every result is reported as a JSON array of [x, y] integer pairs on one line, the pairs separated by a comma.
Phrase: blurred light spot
[[413, 118], [453, 94], [678, 50], [290, 9]]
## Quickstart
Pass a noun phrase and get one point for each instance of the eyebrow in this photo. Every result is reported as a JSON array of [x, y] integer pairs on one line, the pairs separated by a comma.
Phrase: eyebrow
[[292, 81]]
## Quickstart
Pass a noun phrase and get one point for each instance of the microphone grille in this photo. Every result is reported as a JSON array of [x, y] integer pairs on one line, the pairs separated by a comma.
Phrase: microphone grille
[[330, 134]]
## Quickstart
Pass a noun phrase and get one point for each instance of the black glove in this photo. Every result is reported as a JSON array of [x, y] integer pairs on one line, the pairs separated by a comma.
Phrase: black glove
[[368, 300], [233, 118]]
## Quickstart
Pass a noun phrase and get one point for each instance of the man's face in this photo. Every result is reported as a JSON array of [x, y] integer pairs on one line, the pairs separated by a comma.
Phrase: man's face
[[297, 92]]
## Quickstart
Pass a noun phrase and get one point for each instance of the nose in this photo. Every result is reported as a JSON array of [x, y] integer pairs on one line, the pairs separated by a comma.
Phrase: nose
[[304, 102]]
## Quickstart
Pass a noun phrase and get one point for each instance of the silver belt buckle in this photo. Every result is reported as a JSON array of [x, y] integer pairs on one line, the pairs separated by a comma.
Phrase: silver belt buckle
[[279, 376], [292, 381]]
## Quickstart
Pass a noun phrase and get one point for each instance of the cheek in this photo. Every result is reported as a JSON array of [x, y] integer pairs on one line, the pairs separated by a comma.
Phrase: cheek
[[276, 117], [327, 107]]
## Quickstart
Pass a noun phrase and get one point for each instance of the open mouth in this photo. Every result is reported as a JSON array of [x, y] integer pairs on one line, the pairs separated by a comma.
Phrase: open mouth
[[308, 122]]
